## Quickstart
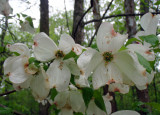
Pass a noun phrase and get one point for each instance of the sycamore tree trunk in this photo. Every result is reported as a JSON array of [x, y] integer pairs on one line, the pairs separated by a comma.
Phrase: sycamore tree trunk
[[44, 27], [143, 95], [78, 30]]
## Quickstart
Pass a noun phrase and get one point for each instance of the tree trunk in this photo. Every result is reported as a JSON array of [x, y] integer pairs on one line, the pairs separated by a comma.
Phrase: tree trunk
[[44, 27], [78, 35], [44, 16], [130, 20]]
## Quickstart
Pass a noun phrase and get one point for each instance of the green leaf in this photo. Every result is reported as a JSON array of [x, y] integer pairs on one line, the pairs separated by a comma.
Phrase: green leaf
[[24, 15], [78, 113], [152, 39], [5, 111], [69, 55], [16, 54], [31, 60], [130, 41], [152, 63], [122, 48], [34, 61], [157, 3], [29, 19], [87, 94], [155, 106], [144, 63], [53, 93], [156, 50], [99, 100], [1, 49]]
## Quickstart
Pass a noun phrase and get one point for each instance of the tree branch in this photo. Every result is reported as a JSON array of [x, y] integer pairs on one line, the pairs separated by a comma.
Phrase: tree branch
[[7, 93], [15, 112], [66, 17], [100, 20]]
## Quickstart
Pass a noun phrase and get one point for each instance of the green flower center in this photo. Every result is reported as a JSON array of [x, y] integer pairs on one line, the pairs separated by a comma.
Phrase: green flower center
[[107, 56], [59, 54]]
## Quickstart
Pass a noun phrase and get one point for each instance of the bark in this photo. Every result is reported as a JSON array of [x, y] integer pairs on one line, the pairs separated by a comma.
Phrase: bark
[[130, 20], [44, 16], [44, 27], [96, 13], [78, 36]]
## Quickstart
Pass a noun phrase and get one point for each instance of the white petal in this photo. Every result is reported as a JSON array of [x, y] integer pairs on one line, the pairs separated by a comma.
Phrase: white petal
[[71, 64], [61, 99], [145, 20], [44, 47], [81, 81], [27, 27], [5, 8], [108, 40], [118, 87], [143, 50], [20, 48], [59, 75], [76, 101], [128, 63], [100, 76], [125, 112], [78, 49], [94, 110], [16, 71], [38, 87], [66, 43], [140, 33], [66, 111], [108, 105], [88, 61]]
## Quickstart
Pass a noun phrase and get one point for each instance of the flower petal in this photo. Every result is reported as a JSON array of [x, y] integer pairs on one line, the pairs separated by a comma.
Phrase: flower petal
[[88, 61], [44, 48], [78, 49], [143, 50], [108, 105], [20, 48], [128, 63], [38, 86], [126, 112], [65, 111], [66, 43], [118, 87], [71, 64], [81, 82], [27, 27], [76, 101], [5, 8], [108, 40], [59, 75]]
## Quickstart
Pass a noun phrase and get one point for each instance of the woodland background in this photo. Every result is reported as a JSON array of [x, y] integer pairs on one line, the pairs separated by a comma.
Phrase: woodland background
[[82, 24]]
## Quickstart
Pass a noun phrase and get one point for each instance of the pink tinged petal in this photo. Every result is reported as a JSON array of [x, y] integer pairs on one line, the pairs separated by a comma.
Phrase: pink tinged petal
[[94, 110], [118, 87], [44, 47], [78, 49], [76, 101], [66, 111], [126, 112], [20, 48], [71, 64], [59, 75], [143, 50], [108, 105], [61, 99], [128, 63], [66, 43], [17, 72], [88, 61], [108, 40], [38, 87]]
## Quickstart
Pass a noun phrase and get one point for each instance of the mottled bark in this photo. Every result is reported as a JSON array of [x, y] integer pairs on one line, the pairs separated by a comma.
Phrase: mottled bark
[[44, 16], [96, 13], [130, 20], [44, 27], [78, 36]]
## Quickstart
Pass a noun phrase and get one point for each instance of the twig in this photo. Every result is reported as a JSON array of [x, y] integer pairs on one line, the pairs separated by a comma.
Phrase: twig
[[66, 17], [15, 112], [7, 93], [79, 22], [100, 20]]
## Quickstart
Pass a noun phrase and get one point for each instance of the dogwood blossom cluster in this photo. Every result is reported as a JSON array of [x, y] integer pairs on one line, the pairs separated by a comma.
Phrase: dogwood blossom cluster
[[68, 73]]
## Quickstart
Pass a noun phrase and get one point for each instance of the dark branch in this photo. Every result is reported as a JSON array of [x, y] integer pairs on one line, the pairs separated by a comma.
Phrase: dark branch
[[100, 20], [118, 15], [66, 17], [82, 19], [15, 112], [7, 93]]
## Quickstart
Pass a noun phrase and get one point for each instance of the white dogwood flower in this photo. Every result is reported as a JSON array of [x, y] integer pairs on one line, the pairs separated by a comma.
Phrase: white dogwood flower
[[60, 70], [5, 8], [110, 65]]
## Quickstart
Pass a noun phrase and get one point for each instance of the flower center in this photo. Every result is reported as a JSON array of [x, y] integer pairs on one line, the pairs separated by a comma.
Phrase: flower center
[[59, 54], [107, 56]]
